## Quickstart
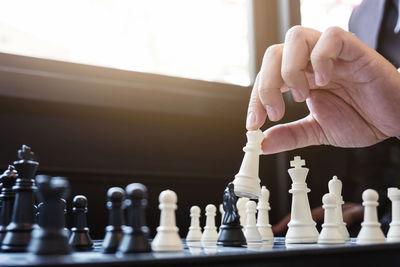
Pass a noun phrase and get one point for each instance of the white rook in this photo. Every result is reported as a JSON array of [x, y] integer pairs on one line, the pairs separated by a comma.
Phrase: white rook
[[301, 228], [394, 230], [247, 182]]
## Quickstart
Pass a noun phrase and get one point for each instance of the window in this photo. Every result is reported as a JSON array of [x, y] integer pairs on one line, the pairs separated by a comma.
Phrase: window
[[197, 39], [320, 14]]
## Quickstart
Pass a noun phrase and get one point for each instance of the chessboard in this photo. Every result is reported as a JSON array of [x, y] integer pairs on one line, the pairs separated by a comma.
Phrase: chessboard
[[268, 254], [33, 231]]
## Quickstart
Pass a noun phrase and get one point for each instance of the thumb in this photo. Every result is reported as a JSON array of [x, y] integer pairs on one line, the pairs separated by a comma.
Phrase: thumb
[[289, 136]]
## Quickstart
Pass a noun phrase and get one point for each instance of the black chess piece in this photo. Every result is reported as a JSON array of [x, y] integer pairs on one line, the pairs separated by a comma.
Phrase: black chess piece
[[50, 239], [135, 239], [231, 234], [64, 208], [7, 197], [80, 239], [37, 214], [18, 232], [112, 239]]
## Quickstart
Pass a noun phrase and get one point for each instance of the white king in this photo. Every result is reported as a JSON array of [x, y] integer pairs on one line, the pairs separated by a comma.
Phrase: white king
[[301, 228]]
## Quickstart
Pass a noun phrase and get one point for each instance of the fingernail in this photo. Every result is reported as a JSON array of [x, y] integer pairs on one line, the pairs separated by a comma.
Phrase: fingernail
[[251, 120], [272, 113], [296, 95], [319, 79]]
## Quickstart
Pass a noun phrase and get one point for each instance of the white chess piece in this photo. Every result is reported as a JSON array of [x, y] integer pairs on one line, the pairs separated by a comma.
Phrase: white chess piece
[[194, 233], [247, 182], [210, 235], [241, 207], [263, 207], [301, 228], [335, 187], [251, 231], [371, 232], [394, 229], [167, 237], [330, 233]]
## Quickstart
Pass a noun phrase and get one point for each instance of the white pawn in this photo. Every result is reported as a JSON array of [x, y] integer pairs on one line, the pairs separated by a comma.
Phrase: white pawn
[[371, 232], [194, 233], [241, 207], [335, 187], [210, 235], [330, 233], [167, 237], [394, 229], [251, 231], [264, 227], [247, 182]]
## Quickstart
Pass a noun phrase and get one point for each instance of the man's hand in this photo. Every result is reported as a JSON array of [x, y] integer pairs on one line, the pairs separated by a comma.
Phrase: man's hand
[[352, 92]]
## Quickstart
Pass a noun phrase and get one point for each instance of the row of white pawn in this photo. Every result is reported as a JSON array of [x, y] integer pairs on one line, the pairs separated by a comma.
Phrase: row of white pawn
[[254, 229], [371, 232]]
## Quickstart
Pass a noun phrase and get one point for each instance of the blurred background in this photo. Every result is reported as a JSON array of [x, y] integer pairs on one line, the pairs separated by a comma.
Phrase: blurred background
[[110, 92]]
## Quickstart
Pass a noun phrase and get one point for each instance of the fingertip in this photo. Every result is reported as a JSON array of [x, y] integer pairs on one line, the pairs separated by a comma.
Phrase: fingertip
[[251, 121], [255, 120], [320, 79]]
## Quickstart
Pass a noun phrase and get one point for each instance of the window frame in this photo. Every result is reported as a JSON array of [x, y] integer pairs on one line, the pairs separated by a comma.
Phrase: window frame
[[65, 82]]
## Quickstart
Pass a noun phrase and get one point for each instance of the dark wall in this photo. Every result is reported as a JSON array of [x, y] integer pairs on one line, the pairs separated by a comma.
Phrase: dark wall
[[97, 148]]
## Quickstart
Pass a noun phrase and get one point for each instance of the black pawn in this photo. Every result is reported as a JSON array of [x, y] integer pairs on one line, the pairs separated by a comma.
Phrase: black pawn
[[231, 234], [50, 239], [115, 198], [7, 197], [80, 239], [135, 239], [22, 223]]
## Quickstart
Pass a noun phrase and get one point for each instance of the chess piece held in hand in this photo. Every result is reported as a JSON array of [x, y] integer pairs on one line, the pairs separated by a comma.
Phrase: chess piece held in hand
[[247, 182]]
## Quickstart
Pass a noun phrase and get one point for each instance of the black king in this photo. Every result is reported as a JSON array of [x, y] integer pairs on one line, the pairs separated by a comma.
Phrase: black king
[[18, 232]]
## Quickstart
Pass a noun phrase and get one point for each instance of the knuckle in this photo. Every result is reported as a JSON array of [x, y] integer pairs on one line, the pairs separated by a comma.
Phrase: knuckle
[[253, 100], [294, 33], [287, 72], [273, 50], [333, 32], [317, 56]]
